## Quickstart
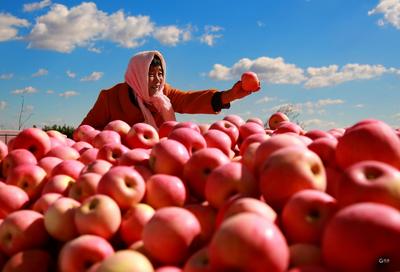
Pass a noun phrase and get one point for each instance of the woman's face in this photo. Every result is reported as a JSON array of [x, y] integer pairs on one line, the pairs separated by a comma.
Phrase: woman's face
[[156, 77]]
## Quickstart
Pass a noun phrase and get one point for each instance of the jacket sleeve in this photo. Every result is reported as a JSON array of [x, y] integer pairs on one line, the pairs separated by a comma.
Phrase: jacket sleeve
[[99, 115], [205, 101]]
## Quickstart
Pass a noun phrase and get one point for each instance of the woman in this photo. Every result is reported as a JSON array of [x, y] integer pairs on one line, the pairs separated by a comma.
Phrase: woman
[[146, 97]]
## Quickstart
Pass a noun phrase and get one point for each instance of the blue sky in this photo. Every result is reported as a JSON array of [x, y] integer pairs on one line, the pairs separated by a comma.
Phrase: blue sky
[[335, 61]]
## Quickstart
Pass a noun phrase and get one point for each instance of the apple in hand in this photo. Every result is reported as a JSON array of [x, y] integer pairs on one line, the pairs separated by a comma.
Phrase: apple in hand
[[250, 81], [305, 216], [165, 190], [124, 185], [141, 135], [248, 242], [98, 215], [83, 252]]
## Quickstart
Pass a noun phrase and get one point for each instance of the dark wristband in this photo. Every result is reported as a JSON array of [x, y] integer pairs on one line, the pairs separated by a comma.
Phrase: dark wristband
[[216, 102]]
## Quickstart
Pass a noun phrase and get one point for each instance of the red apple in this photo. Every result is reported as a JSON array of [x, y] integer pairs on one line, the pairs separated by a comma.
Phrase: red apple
[[98, 215], [58, 184], [373, 140], [137, 156], [142, 135], [97, 166], [248, 242], [81, 146], [12, 198], [248, 157], [305, 216], [123, 184], [199, 166], [230, 129], [45, 201], [81, 133], [89, 155], [70, 168], [30, 178], [250, 128], [22, 230], [305, 255], [228, 180], [206, 215], [63, 152], [83, 252], [218, 139], [250, 81], [187, 124], [317, 133], [168, 157], [254, 138], [106, 137], [369, 181], [363, 237], [276, 118], [325, 148], [25, 260], [287, 126], [48, 164], [3, 150], [168, 268], [289, 170], [198, 262], [85, 186], [17, 157], [126, 260], [112, 152], [166, 128], [169, 235], [191, 139], [165, 190], [119, 126], [33, 139], [59, 219], [133, 222], [234, 119]]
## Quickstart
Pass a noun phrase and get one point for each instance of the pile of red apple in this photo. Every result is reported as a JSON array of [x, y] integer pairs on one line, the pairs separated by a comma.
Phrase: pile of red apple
[[226, 196]]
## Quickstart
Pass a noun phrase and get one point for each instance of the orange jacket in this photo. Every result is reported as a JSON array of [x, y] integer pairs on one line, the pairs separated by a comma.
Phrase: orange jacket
[[115, 104]]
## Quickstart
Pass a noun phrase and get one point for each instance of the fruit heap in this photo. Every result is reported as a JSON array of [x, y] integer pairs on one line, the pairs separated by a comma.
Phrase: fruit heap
[[227, 196]]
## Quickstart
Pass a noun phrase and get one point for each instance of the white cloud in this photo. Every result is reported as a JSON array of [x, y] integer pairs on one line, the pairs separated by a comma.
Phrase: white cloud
[[318, 123], [168, 35], [6, 76], [3, 104], [40, 72], [327, 102], [359, 105], [29, 108], [260, 24], [49, 91], [63, 29], [271, 70], [8, 26], [331, 75], [36, 5], [211, 34], [26, 90], [265, 99], [70, 74], [68, 94], [93, 76], [390, 10]]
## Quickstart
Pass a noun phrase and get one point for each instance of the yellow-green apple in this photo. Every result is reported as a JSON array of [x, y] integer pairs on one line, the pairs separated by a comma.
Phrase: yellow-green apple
[[30, 178], [168, 157], [165, 190], [250, 81], [199, 261], [112, 152], [133, 222], [58, 184], [325, 148], [59, 219], [119, 126], [12, 198], [97, 166], [363, 237], [165, 128], [82, 252], [368, 140], [142, 135], [98, 215], [271, 145], [369, 181], [169, 235], [44, 202], [250, 128], [81, 133], [287, 126], [137, 156], [48, 163], [124, 185], [191, 139], [255, 120], [248, 242], [234, 119], [218, 139], [289, 170], [70, 168], [227, 180], [305, 215], [302, 254], [254, 138], [33, 139], [106, 137], [81, 146], [63, 152], [26, 260], [85, 186], [126, 260], [230, 129], [16, 157], [246, 204], [89, 155], [187, 124], [199, 166], [22, 230], [318, 133], [206, 215], [276, 118]]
